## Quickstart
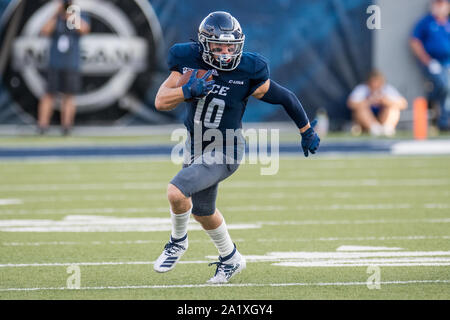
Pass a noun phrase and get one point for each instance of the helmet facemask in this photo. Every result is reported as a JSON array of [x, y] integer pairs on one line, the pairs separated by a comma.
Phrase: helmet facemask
[[213, 55]]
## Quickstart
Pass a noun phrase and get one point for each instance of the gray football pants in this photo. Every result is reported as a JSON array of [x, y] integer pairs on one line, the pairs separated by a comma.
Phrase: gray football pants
[[200, 181]]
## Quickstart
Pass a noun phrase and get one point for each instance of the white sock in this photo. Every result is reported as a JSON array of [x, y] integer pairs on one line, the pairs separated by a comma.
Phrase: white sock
[[388, 130], [221, 239], [179, 223], [376, 130]]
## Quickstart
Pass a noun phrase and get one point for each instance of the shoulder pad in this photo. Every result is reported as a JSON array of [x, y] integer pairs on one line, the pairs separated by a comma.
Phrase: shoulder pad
[[254, 63], [180, 53]]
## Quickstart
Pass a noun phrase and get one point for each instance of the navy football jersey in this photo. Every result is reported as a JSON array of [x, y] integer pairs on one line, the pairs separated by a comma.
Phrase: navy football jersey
[[223, 108]]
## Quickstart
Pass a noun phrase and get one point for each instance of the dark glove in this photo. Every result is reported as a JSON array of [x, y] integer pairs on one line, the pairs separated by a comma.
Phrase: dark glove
[[197, 87], [310, 140]]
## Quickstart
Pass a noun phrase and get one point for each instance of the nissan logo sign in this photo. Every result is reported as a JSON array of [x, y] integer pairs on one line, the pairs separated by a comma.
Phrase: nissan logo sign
[[118, 56]]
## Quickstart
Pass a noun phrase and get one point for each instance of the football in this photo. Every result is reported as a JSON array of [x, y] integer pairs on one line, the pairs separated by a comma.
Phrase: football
[[185, 77]]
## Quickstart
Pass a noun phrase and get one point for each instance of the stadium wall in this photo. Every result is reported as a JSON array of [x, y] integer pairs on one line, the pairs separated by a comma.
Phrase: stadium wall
[[318, 49]]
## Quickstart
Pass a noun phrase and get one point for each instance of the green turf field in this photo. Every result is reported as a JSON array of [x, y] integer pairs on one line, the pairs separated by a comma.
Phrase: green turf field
[[300, 230]]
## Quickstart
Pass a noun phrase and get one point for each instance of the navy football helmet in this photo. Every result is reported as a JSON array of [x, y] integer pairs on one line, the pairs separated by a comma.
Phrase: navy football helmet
[[217, 31]]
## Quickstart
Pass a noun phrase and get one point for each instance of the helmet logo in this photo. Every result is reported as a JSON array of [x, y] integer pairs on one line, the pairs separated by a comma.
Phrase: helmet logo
[[226, 37]]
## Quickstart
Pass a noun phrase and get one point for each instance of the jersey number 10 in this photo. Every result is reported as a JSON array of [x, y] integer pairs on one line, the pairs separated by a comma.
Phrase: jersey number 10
[[213, 104]]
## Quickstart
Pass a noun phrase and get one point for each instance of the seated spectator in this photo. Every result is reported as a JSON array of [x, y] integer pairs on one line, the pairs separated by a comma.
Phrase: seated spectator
[[430, 43], [376, 105]]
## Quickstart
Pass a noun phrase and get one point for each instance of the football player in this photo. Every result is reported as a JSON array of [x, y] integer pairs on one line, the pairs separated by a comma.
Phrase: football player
[[216, 104]]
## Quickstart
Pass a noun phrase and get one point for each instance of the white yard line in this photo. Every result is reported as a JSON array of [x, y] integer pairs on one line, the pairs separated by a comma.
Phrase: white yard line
[[116, 197], [243, 184], [128, 242], [376, 206], [111, 263], [437, 206], [44, 161], [338, 183], [93, 223], [340, 256], [364, 264], [95, 198], [89, 211], [7, 202], [180, 286], [350, 222], [348, 259], [382, 238], [39, 187], [249, 208], [139, 177], [366, 248], [112, 242]]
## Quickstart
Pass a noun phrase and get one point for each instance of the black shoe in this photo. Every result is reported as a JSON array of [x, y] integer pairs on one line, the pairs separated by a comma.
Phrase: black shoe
[[41, 131], [66, 131]]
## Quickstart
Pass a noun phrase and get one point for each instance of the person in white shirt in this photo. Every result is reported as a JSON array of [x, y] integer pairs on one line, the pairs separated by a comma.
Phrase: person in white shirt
[[376, 105]]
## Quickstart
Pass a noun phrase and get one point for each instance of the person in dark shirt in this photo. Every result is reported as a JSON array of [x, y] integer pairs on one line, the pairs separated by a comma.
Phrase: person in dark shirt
[[430, 42], [216, 107], [63, 66]]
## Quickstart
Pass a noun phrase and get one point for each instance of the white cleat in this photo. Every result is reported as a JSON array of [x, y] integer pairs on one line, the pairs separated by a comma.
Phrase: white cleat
[[388, 131], [228, 268], [172, 253], [376, 130]]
